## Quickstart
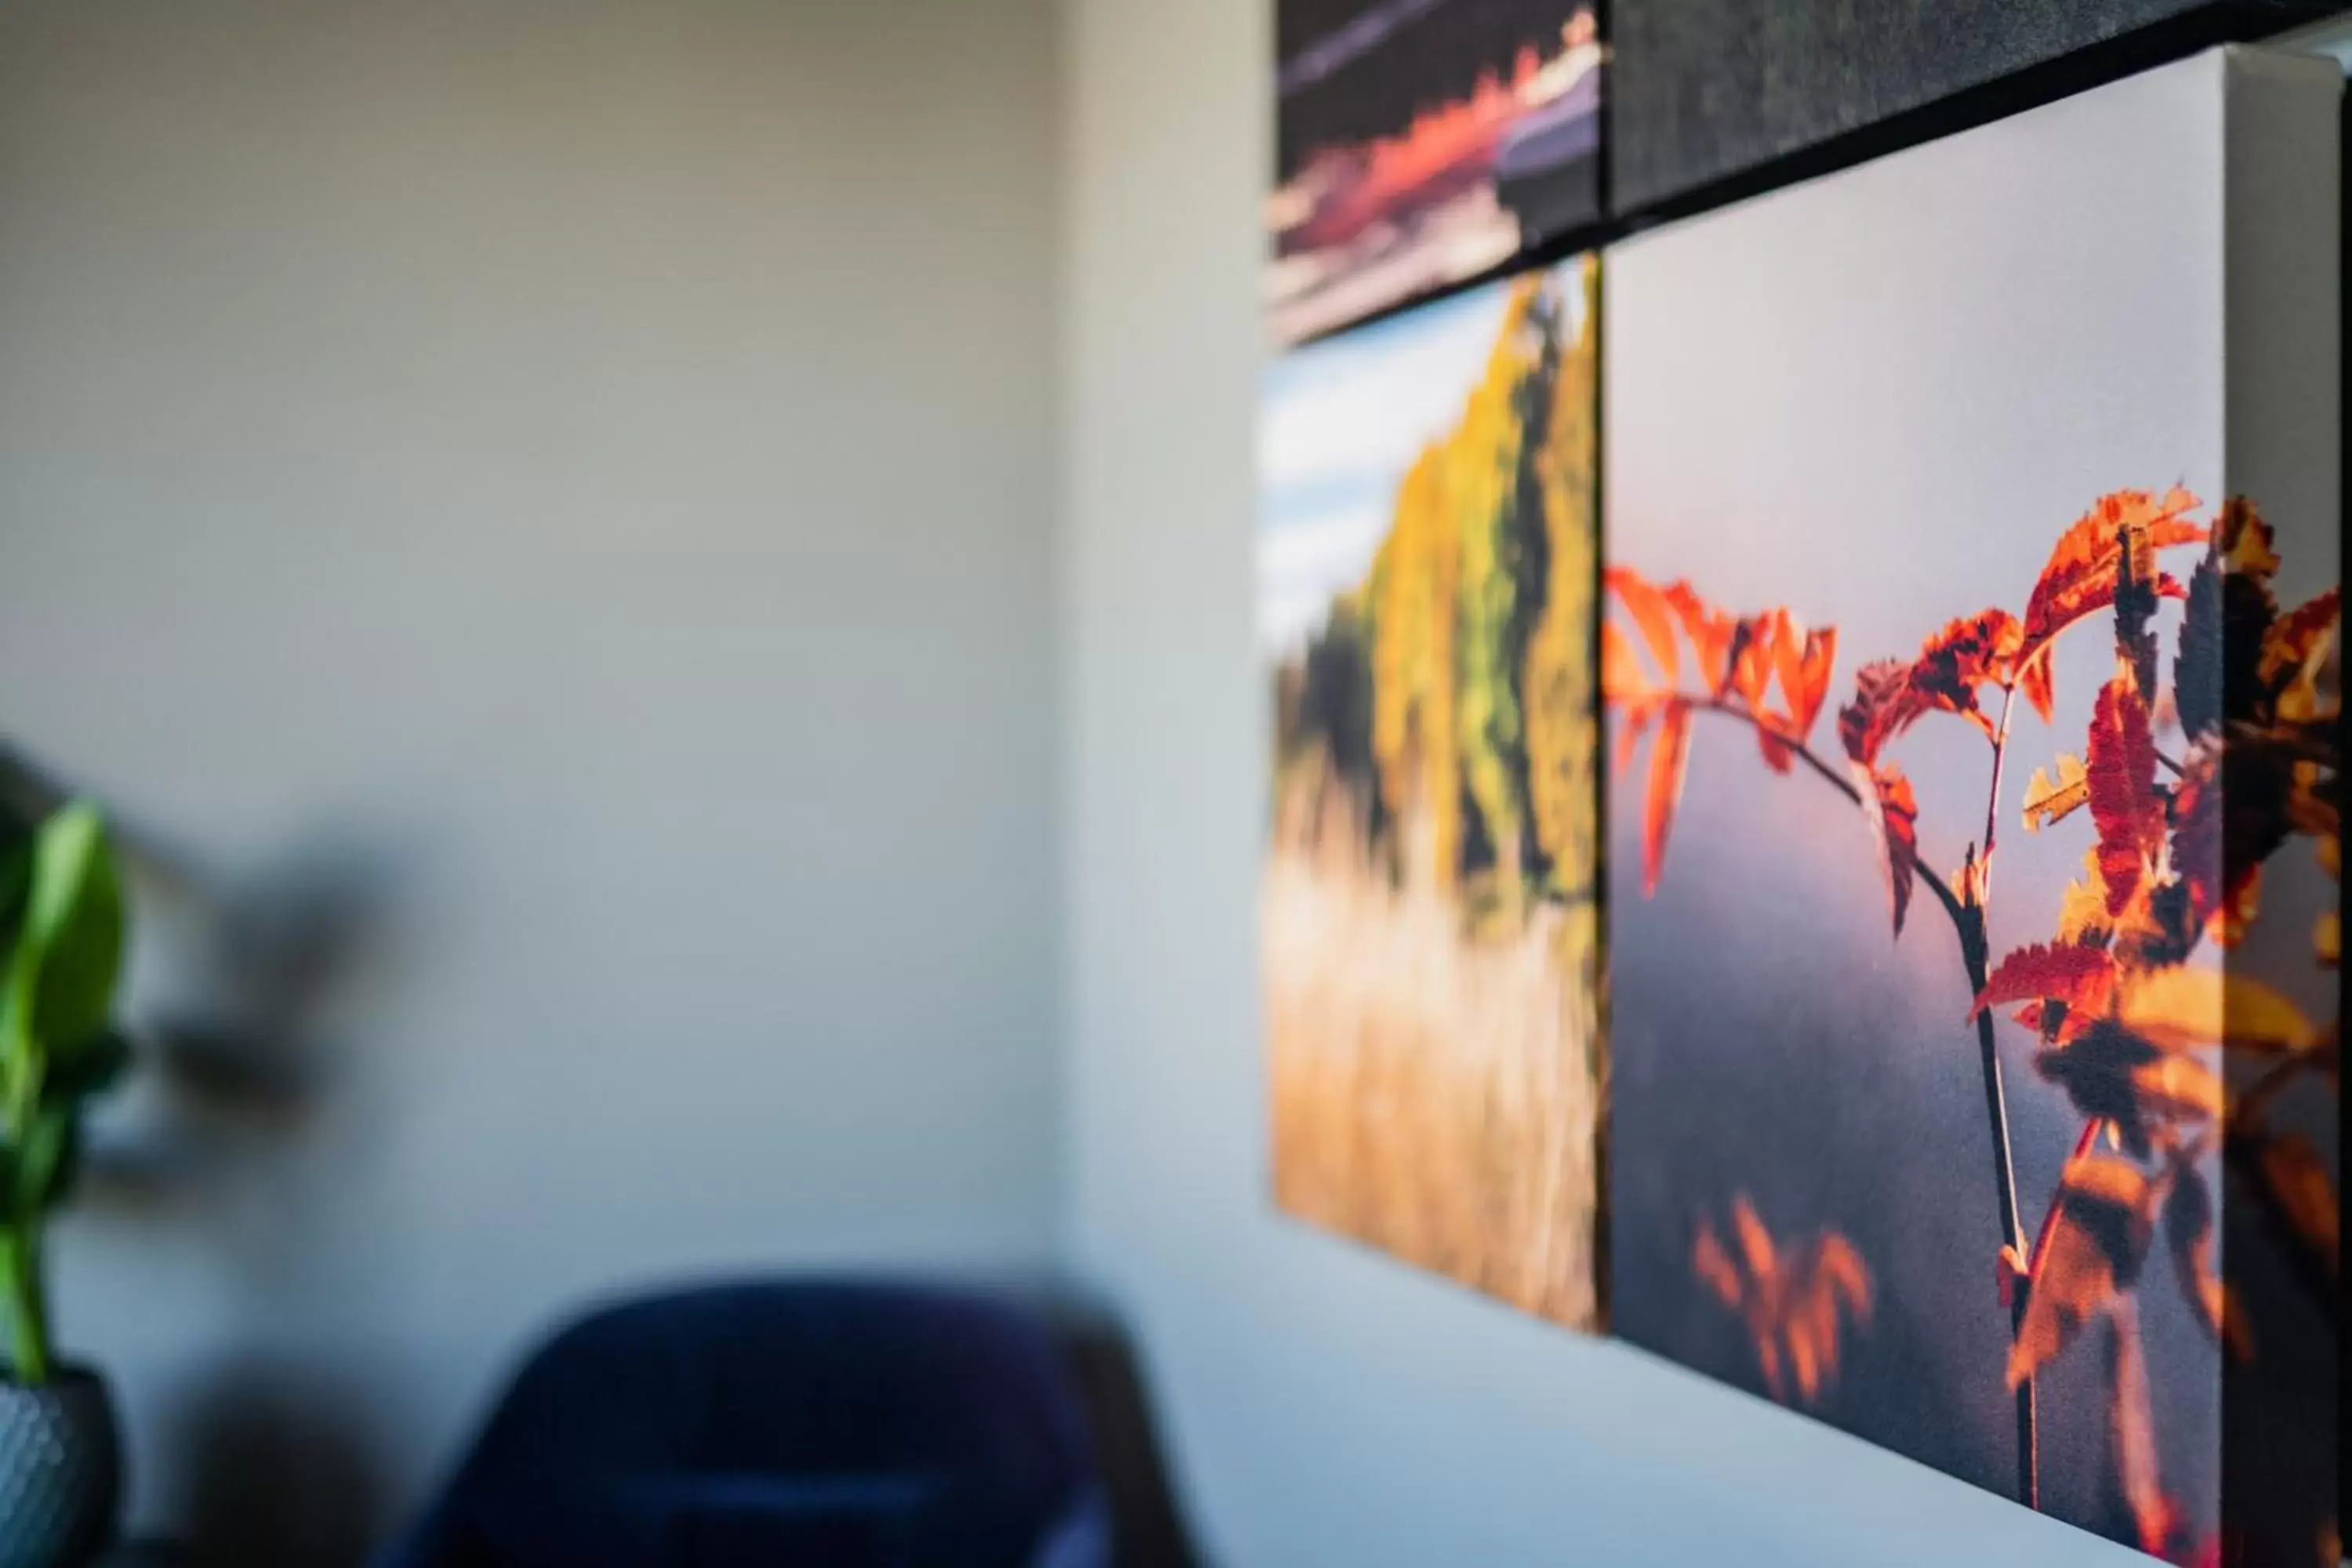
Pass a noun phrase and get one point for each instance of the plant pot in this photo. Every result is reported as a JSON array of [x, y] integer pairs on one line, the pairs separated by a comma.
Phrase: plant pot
[[60, 1471]]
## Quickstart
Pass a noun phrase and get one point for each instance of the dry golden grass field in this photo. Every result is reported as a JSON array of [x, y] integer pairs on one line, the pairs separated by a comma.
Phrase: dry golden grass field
[[1436, 1093]]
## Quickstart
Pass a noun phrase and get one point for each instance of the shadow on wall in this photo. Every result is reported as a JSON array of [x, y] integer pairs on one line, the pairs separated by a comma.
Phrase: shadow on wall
[[279, 1475], [240, 1058]]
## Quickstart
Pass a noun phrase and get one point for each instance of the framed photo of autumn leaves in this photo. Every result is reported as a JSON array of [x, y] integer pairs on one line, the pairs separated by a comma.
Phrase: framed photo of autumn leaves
[[1828, 871]]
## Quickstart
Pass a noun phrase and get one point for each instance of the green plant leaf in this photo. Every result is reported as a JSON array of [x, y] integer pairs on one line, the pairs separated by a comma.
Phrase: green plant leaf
[[48, 1160], [71, 948], [15, 877]]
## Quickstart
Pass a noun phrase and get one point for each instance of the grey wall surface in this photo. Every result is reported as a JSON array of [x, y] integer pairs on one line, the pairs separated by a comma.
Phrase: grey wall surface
[[539, 517], [1324, 1404]]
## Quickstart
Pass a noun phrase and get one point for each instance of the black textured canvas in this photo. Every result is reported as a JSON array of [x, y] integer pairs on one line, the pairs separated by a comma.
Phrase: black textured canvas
[[1704, 89]]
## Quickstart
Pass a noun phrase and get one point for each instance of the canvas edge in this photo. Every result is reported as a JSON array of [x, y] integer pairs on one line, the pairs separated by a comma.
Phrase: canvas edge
[[2281, 222]]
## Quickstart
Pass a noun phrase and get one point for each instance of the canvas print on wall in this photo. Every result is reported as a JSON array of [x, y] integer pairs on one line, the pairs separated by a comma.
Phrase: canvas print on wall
[[1701, 89], [1969, 653], [1426, 579], [1423, 142]]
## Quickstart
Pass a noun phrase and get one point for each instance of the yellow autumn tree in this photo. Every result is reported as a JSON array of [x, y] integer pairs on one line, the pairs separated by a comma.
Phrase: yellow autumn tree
[[1563, 720], [1415, 578]]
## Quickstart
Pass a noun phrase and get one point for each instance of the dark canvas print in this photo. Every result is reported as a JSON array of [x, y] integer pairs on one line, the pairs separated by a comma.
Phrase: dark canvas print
[[1426, 573], [1421, 143], [1973, 811], [1705, 88]]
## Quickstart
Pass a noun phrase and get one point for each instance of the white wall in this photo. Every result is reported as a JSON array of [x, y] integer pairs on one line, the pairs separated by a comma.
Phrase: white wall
[[561, 489], [1326, 1406]]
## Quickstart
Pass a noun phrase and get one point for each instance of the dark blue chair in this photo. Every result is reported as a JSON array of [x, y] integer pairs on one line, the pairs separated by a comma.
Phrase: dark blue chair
[[787, 1425]]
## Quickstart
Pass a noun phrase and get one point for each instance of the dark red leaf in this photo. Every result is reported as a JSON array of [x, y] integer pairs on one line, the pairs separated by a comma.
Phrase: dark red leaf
[[1882, 708], [1892, 811], [2125, 806], [2197, 668], [2082, 977], [1974, 650]]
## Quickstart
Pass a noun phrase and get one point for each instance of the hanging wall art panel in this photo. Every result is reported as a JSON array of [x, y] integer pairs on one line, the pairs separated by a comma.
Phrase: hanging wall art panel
[[1969, 650], [1422, 143], [1426, 579], [1702, 90]]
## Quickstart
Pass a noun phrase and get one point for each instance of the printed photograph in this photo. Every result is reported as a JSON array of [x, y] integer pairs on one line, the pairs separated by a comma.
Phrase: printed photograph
[[1423, 142], [1973, 821], [1427, 572]]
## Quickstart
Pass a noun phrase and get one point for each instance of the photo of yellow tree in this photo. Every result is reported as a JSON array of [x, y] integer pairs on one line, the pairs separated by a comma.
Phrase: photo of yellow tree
[[1427, 588]]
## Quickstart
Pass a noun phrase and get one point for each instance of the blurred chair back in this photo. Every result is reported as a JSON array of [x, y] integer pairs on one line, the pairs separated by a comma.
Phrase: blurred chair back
[[830, 1425]]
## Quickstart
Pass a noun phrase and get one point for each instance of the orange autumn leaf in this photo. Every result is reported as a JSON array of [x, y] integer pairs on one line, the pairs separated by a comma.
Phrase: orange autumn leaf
[[2125, 806], [1710, 632], [2049, 800], [1804, 658], [1755, 1247], [1669, 762], [2033, 679], [1972, 651], [1775, 647], [1652, 617], [1892, 812], [1713, 1266], [1747, 666], [1635, 716], [2079, 977], [2091, 1250], [1621, 676], [1790, 1301], [2081, 576]]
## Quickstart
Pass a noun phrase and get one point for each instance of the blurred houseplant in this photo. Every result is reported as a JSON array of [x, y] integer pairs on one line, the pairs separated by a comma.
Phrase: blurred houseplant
[[61, 943]]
